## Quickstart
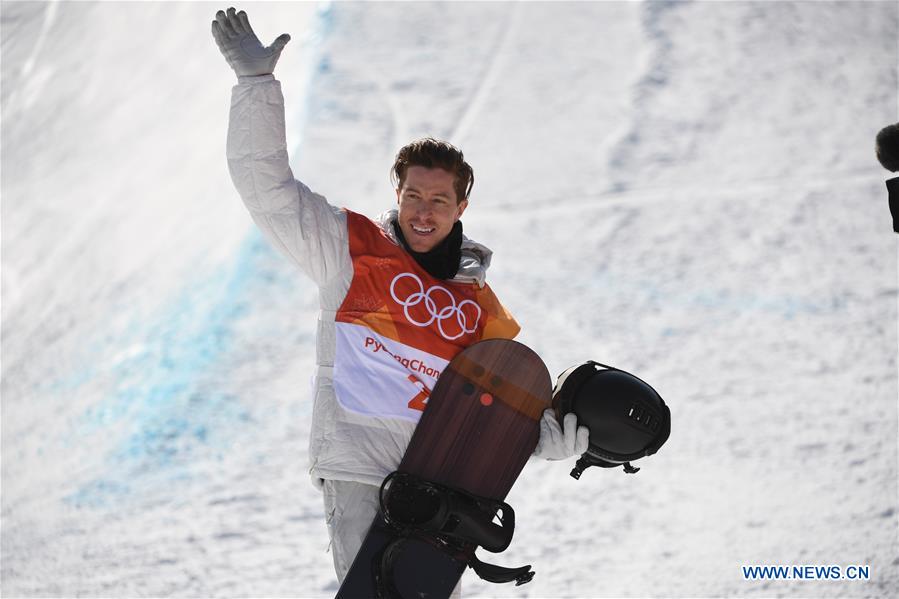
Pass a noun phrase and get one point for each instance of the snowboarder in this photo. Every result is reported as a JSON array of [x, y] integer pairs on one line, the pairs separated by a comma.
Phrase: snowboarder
[[403, 292], [887, 149]]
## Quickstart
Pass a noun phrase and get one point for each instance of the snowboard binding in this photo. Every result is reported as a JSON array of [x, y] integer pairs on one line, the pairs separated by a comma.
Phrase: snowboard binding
[[454, 521], [412, 504]]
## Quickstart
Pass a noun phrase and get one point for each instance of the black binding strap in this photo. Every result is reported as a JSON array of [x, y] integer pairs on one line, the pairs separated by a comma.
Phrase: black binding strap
[[451, 520], [412, 504], [500, 574], [383, 565]]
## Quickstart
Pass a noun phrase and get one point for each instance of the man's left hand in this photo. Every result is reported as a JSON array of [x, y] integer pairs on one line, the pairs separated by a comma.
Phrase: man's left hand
[[558, 444]]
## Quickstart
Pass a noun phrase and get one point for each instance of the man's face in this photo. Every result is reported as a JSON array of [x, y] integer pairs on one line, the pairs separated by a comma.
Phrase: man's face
[[427, 207]]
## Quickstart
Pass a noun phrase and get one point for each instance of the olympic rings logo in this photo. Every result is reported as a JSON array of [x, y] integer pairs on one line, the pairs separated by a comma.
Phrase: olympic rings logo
[[446, 312]]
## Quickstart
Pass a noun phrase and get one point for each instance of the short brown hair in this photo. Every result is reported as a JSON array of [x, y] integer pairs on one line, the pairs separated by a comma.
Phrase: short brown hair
[[434, 153]]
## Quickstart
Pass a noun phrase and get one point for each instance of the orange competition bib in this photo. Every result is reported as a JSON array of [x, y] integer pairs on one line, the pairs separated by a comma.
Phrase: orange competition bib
[[398, 326]]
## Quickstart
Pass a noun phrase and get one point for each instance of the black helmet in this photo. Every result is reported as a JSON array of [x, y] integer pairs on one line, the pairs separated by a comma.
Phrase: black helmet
[[627, 419]]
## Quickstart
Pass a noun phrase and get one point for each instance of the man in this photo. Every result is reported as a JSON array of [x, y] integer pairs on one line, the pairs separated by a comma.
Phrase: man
[[400, 295], [887, 149]]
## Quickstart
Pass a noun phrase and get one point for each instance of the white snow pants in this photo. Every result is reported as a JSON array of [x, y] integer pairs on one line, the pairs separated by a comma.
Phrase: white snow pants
[[350, 508]]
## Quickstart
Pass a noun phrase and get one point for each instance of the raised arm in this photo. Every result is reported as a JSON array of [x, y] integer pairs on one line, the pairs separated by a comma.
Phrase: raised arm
[[300, 223]]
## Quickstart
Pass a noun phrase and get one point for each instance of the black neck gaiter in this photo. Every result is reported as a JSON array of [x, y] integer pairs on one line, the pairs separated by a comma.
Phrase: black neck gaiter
[[442, 262]]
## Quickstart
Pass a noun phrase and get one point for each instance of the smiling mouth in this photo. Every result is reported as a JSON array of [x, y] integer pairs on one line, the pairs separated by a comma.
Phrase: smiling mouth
[[423, 230]]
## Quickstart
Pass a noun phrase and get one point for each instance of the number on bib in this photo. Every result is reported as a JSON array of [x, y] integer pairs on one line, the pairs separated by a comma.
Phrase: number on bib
[[420, 401]]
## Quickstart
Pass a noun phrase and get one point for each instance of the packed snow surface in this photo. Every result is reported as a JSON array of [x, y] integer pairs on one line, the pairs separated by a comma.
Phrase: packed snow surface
[[686, 190]]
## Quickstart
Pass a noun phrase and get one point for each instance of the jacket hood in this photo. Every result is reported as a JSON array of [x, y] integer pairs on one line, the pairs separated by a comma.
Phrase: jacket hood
[[475, 257]]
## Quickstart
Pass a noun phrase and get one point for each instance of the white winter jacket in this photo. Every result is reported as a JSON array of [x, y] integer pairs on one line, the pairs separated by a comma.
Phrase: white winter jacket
[[314, 235]]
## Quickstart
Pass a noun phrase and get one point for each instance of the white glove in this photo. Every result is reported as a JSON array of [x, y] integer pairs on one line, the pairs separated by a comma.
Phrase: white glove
[[242, 49], [554, 444]]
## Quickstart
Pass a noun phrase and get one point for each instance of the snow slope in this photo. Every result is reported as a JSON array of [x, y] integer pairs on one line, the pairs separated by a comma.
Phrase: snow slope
[[686, 190]]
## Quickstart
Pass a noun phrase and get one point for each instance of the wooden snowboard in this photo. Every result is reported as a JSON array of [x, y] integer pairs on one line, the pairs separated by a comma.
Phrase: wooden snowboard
[[480, 426]]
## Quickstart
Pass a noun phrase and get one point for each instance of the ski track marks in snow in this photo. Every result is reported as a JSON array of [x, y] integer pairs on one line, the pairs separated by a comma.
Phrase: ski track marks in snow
[[760, 299], [363, 82], [499, 57], [30, 82], [127, 400], [656, 73], [770, 91], [661, 196]]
